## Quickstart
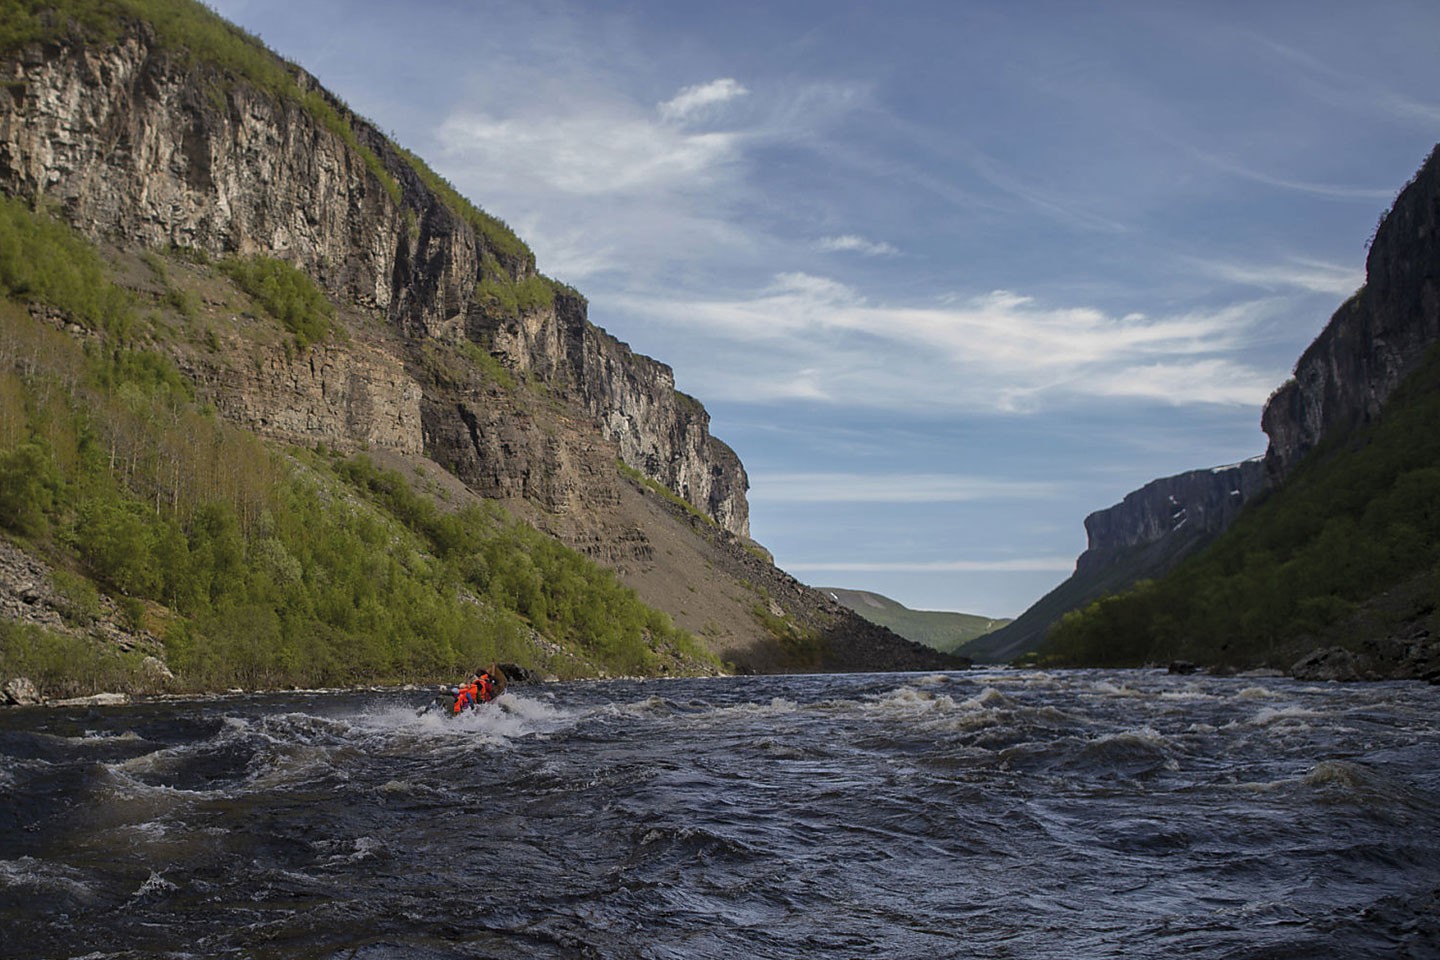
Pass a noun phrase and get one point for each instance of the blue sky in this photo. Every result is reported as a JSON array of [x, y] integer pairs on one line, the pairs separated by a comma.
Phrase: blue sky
[[948, 276]]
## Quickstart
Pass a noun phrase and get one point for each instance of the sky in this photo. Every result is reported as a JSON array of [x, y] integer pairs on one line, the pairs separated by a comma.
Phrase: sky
[[948, 276]]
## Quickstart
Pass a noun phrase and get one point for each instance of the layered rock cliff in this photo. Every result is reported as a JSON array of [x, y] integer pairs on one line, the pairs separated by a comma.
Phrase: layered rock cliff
[[1189, 508], [141, 144]]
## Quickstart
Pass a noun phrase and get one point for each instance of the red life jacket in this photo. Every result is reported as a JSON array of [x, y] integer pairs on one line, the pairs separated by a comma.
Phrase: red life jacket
[[486, 691]]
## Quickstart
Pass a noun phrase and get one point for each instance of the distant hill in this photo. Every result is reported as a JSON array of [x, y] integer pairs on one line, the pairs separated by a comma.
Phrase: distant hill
[[941, 629]]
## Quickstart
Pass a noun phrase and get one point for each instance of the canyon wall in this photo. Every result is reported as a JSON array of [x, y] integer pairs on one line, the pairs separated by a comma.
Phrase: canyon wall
[[137, 144]]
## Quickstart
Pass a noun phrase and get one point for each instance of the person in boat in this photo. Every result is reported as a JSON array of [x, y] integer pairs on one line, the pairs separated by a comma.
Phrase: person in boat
[[484, 685]]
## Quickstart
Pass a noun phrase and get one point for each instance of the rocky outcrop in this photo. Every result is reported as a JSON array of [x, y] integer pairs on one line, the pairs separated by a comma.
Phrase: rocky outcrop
[[140, 144], [1189, 508], [658, 430], [339, 395], [1374, 340], [1143, 536], [29, 594]]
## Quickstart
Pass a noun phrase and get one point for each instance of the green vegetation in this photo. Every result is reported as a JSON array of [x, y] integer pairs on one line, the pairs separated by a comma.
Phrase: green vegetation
[[939, 629], [286, 294], [257, 567], [44, 261], [63, 665], [1359, 516], [501, 296]]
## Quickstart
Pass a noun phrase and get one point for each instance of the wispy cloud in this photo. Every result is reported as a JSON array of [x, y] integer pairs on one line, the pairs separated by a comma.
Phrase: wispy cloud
[[692, 101], [1357, 92], [896, 488], [999, 351], [594, 149], [1238, 168], [850, 243], [1297, 273]]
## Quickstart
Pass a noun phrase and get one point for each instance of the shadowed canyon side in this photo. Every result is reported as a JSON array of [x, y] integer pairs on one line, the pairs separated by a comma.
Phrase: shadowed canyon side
[[1342, 382], [1145, 535], [1374, 340], [455, 351]]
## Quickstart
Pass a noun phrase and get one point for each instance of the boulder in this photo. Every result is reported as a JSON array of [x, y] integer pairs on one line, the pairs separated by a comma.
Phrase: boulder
[[1333, 663], [21, 692]]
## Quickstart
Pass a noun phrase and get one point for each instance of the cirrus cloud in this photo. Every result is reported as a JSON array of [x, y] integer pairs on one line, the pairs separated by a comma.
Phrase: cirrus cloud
[[1000, 351]]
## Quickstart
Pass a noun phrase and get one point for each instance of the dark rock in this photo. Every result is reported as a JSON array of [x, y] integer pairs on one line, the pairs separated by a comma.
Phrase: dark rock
[[1333, 663], [1183, 667], [1143, 536], [1376, 337], [515, 673]]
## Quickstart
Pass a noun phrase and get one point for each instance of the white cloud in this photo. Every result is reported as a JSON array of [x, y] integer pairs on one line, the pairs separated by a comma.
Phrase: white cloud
[[694, 100], [599, 149], [1000, 351], [1296, 273], [894, 488], [850, 243]]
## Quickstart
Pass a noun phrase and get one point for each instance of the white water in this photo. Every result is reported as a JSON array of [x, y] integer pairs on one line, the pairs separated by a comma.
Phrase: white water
[[988, 814]]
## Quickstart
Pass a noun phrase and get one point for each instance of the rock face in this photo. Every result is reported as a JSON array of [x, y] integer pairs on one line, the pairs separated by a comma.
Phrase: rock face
[[1188, 508], [1144, 535], [1374, 340], [342, 396], [138, 145]]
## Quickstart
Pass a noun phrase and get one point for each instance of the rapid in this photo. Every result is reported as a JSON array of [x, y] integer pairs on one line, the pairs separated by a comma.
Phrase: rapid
[[993, 813]]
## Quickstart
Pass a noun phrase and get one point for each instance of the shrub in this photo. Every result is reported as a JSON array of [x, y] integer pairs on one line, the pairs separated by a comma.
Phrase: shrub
[[285, 293]]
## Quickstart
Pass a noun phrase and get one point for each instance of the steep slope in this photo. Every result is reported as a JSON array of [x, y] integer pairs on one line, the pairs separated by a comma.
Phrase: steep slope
[[154, 126], [942, 629]]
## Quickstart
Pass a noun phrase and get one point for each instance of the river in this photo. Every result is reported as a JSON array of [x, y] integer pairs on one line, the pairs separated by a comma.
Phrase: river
[[995, 813]]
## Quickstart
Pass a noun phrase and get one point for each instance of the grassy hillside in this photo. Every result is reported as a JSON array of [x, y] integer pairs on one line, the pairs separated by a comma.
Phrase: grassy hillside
[[1346, 551], [942, 630], [254, 564]]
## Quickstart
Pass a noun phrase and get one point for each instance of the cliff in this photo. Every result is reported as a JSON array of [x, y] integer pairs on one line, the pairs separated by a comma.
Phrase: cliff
[[141, 145], [451, 349], [1143, 536], [1374, 340]]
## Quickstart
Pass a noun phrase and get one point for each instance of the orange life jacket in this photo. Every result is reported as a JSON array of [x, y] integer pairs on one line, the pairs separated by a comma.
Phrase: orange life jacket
[[486, 693], [470, 693]]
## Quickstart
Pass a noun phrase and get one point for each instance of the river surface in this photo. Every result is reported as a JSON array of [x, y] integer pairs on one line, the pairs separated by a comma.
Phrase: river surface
[[981, 814]]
